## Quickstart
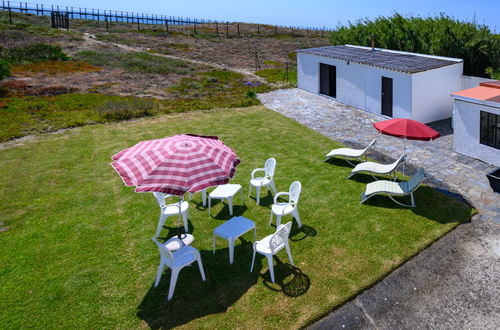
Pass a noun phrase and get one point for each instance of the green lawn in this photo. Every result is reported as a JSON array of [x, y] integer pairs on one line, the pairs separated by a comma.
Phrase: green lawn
[[79, 254]]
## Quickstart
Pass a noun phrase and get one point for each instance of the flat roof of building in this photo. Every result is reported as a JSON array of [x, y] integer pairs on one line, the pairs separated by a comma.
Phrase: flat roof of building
[[486, 92], [383, 58]]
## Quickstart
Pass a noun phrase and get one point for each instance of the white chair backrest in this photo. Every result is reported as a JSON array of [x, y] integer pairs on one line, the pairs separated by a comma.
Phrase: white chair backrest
[[161, 197], [165, 253], [269, 168], [280, 237], [294, 192], [370, 145]]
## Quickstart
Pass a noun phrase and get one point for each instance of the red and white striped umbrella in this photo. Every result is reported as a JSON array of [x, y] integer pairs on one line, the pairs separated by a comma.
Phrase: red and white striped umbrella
[[177, 164]]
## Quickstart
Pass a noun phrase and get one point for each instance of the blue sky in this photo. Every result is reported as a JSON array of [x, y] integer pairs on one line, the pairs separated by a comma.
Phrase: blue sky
[[313, 13]]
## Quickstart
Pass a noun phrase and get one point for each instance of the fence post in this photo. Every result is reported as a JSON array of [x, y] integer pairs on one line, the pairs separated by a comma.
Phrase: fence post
[[216, 29], [238, 27], [194, 26], [227, 29], [275, 30], [166, 25], [106, 19], [138, 26], [10, 13], [258, 29]]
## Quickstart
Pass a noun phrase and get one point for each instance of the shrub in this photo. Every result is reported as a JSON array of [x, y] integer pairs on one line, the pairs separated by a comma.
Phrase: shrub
[[250, 94], [126, 109], [441, 35], [54, 67], [32, 53], [4, 69]]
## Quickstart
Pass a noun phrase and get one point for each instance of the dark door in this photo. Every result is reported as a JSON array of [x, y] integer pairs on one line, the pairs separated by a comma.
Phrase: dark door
[[328, 79], [387, 96]]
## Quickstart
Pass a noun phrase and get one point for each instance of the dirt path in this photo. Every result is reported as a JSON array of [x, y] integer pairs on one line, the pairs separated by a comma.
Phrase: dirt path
[[90, 39]]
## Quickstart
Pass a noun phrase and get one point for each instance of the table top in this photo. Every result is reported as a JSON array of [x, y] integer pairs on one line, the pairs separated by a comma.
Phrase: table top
[[234, 227], [225, 190]]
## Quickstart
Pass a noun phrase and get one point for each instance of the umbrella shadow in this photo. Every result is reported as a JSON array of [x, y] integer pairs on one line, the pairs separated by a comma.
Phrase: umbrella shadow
[[193, 298], [289, 279]]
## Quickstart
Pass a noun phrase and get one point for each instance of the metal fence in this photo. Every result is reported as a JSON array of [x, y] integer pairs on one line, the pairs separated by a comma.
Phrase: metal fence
[[139, 19]]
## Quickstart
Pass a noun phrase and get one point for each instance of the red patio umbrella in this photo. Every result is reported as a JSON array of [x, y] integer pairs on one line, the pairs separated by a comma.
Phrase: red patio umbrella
[[177, 164], [406, 129]]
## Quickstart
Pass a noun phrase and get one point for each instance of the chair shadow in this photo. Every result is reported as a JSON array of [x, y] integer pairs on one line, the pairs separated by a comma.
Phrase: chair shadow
[[193, 298], [292, 282], [342, 162], [300, 233], [172, 231], [265, 201], [427, 205]]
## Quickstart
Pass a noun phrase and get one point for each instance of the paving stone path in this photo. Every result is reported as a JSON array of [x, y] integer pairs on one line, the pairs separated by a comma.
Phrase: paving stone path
[[445, 168]]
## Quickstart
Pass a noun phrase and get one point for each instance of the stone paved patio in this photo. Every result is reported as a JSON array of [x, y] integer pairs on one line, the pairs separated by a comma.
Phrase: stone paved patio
[[445, 168]]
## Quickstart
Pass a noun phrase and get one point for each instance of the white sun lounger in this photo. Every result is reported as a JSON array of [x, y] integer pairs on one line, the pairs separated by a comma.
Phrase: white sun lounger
[[372, 168], [394, 189], [349, 153]]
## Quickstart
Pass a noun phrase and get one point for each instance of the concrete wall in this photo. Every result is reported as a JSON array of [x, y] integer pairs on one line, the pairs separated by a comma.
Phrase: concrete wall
[[466, 123], [472, 81], [431, 92]]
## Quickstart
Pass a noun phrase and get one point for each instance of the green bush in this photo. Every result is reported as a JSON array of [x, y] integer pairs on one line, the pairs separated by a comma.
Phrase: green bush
[[4, 69], [116, 110], [440, 35], [32, 53]]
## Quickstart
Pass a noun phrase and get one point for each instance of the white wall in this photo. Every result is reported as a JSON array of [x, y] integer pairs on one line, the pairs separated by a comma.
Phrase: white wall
[[466, 121], [357, 85], [431, 92]]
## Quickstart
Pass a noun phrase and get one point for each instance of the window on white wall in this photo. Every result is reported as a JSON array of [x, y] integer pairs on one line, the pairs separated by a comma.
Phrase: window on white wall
[[490, 129]]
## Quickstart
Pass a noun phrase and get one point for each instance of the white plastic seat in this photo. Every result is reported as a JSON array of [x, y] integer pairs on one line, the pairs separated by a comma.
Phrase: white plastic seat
[[392, 189], [349, 153], [280, 209], [266, 181], [167, 210], [272, 244], [177, 260], [376, 168]]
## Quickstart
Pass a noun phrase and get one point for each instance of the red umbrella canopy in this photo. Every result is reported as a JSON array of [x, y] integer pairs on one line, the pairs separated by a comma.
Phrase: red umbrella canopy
[[407, 129], [177, 164]]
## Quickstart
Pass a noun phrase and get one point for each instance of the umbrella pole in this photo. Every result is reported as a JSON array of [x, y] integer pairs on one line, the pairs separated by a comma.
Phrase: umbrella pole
[[179, 234]]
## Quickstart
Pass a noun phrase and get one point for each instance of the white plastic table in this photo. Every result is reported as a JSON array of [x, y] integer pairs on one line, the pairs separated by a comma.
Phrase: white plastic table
[[231, 230], [227, 192]]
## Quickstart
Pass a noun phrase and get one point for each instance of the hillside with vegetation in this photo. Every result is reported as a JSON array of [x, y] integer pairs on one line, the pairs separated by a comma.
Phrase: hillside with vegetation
[[96, 72], [441, 35]]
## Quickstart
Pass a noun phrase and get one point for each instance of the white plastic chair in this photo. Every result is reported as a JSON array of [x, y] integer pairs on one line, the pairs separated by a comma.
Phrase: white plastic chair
[[167, 210], [266, 181], [272, 244], [177, 260], [290, 207], [349, 153]]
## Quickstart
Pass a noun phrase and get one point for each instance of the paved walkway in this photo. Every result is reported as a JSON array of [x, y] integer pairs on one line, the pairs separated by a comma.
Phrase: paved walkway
[[445, 168], [454, 283]]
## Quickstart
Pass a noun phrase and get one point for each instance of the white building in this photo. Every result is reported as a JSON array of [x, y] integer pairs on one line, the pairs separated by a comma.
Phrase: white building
[[385, 82], [476, 122]]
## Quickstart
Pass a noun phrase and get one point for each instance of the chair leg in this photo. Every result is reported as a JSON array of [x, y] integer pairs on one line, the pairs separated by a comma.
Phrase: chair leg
[[257, 195], [297, 217], [271, 269], [204, 197], [287, 247], [249, 190], [159, 273], [253, 261], [173, 281], [184, 218], [278, 220], [273, 187], [209, 204], [271, 219], [161, 222], [200, 266], [231, 250], [412, 200]]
